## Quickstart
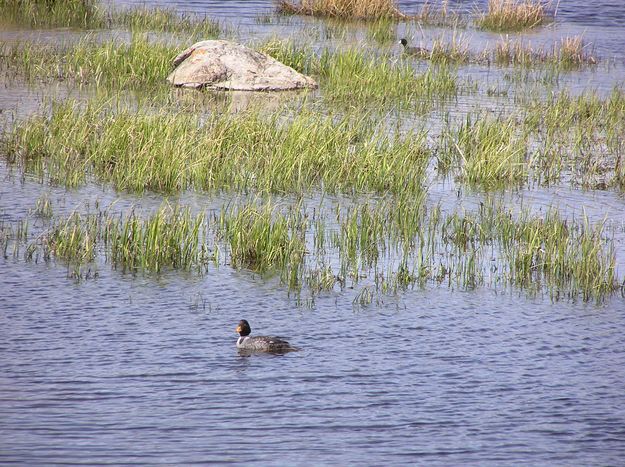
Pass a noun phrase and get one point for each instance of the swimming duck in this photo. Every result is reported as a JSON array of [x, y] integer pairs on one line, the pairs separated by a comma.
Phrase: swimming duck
[[413, 50], [260, 343]]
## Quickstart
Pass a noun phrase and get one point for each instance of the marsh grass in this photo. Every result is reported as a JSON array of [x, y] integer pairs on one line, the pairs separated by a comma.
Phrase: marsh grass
[[53, 13], [512, 15], [486, 152], [385, 245], [138, 64], [172, 152], [582, 134], [444, 52], [265, 240], [439, 16], [342, 9], [569, 53], [89, 14], [353, 78], [172, 237], [166, 20]]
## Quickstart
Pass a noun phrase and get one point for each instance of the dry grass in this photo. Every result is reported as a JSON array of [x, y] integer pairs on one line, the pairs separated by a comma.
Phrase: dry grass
[[568, 53], [512, 15], [343, 9]]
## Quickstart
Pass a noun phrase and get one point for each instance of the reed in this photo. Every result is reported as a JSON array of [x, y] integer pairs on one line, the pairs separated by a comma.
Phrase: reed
[[512, 15], [172, 152], [353, 78], [137, 64], [569, 53], [342, 9], [165, 20], [488, 153], [53, 13], [447, 52], [170, 238], [265, 240]]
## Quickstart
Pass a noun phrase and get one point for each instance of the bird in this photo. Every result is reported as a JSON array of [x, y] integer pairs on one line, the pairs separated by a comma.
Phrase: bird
[[413, 50], [249, 343]]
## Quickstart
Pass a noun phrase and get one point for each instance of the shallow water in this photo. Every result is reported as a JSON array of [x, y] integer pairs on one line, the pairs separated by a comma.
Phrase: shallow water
[[141, 369]]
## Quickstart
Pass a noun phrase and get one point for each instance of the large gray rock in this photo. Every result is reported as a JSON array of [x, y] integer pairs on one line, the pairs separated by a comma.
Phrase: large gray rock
[[227, 65]]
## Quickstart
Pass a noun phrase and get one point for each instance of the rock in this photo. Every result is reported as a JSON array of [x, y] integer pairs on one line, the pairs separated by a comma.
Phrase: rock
[[227, 65]]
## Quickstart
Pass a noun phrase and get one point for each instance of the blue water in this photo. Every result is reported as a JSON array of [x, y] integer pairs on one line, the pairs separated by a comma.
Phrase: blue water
[[126, 369]]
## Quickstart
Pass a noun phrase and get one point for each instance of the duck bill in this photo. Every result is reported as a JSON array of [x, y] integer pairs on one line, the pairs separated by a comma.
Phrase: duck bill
[[238, 329]]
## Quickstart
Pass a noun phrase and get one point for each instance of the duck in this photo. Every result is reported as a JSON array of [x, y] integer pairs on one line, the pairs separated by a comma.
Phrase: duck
[[413, 50], [249, 343]]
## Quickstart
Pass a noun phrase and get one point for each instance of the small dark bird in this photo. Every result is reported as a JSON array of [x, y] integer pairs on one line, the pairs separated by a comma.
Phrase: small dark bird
[[413, 50], [260, 343]]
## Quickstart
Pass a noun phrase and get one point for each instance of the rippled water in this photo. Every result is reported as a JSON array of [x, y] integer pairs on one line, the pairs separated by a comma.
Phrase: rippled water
[[129, 369]]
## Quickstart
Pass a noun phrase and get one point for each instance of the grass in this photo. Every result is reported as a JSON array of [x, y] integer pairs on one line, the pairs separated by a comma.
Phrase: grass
[[342, 9], [356, 79], [581, 134], [263, 239], [570, 53], [512, 15], [53, 13], [384, 246], [138, 64], [173, 152], [88, 14], [446, 52], [166, 20], [489, 153]]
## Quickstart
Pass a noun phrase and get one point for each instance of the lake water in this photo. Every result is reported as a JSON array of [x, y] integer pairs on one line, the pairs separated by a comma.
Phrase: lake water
[[138, 369]]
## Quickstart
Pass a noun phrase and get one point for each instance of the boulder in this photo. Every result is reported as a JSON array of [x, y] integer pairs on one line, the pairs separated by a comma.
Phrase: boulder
[[227, 65]]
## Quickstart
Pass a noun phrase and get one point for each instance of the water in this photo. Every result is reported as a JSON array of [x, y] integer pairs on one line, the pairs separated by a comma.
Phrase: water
[[127, 369]]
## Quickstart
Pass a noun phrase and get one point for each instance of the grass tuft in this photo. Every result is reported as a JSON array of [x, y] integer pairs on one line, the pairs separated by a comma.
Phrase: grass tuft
[[342, 9], [512, 15]]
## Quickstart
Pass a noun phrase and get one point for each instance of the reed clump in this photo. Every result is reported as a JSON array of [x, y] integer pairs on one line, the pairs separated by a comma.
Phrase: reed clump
[[512, 15], [172, 237], [263, 239], [172, 152], [53, 13], [165, 20], [342, 9], [569, 53], [353, 78], [488, 153], [137, 64]]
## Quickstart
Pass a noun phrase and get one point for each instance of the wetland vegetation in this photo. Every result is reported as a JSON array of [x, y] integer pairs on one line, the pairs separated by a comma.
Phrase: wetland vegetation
[[332, 189]]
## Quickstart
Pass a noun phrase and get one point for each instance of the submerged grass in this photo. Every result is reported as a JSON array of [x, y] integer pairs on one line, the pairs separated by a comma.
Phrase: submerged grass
[[172, 152], [512, 15], [385, 250]]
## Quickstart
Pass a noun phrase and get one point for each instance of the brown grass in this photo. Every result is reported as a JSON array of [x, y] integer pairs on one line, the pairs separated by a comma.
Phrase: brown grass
[[568, 53], [512, 15], [343, 9]]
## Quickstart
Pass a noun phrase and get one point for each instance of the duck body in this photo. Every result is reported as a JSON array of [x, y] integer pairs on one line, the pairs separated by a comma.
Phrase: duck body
[[248, 343], [413, 50]]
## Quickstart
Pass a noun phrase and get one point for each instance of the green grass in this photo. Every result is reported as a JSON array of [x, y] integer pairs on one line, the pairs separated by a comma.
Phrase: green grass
[[53, 13], [385, 245], [486, 152], [89, 14], [138, 64], [354, 78], [248, 151]]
